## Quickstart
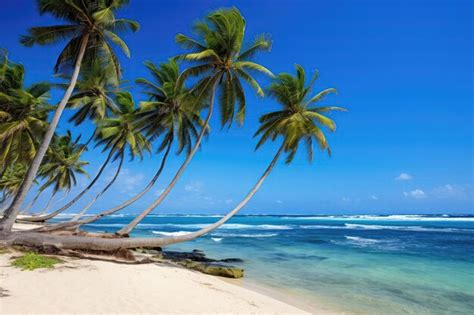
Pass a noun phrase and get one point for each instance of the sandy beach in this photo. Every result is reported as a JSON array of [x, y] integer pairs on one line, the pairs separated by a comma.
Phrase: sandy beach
[[86, 286]]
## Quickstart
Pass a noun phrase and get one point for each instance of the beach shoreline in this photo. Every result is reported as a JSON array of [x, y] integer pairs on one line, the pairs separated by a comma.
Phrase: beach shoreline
[[107, 287]]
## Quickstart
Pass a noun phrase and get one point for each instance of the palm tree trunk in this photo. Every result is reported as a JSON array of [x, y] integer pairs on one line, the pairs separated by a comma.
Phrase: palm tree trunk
[[9, 217], [74, 200], [115, 209], [119, 168], [128, 228], [92, 243]]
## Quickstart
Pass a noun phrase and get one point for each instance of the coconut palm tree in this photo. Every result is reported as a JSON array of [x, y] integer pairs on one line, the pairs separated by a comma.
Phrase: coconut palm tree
[[23, 114], [91, 28], [93, 97], [120, 134], [171, 114], [298, 121], [222, 64], [61, 164]]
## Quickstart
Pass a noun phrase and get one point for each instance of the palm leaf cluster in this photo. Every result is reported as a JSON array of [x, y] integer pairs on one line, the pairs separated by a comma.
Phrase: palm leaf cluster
[[92, 18], [220, 60], [62, 163], [172, 111], [23, 113], [298, 120], [120, 133]]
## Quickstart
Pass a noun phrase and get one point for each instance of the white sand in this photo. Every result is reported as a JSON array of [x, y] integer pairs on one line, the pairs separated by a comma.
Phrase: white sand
[[86, 286]]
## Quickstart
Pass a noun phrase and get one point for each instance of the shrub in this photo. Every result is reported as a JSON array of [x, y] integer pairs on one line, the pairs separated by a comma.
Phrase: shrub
[[32, 261]]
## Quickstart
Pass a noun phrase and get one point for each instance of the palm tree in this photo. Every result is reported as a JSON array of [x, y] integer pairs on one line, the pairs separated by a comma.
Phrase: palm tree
[[23, 114], [171, 113], [297, 121], [91, 28], [93, 98], [120, 134], [221, 63], [94, 95], [60, 166], [62, 163]]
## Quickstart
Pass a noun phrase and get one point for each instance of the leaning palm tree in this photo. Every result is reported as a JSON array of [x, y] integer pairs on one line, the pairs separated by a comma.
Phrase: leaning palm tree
[[171, 115], [91, 28], [298, 121], [120, 134], [63, 163], [222, 64]]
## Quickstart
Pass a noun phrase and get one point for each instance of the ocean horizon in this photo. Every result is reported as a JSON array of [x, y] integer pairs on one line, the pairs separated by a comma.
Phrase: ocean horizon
[[370, 264]]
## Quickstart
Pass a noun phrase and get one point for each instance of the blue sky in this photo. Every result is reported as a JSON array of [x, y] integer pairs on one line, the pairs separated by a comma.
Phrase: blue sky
[[402, 68]]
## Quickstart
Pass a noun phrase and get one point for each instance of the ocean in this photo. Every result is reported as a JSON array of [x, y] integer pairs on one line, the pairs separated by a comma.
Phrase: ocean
[[362, 264]]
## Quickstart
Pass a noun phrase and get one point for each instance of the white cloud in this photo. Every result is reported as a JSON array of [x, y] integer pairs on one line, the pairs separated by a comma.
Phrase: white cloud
[[417, 194], [228, 201], [404, 176], [279, 201], [373, 197]]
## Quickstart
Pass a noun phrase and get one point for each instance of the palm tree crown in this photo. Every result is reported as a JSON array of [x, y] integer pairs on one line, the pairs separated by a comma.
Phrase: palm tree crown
[[171, 110], [93, 97], [120, 132], [297, 120], [221, 60], [62, 163], [23, 114], [94, 18]]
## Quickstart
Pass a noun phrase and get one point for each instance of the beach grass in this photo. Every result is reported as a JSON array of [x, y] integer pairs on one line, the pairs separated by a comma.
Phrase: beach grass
[[31, 261]]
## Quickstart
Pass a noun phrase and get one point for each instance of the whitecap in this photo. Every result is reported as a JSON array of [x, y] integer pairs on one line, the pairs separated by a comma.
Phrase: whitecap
[[246, 235], [216, 239], [178, 233]]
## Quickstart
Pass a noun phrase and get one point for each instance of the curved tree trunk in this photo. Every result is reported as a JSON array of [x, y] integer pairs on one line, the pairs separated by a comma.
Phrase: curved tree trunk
[[74, 200], [119, 168], [93, 243], [98, 216], [9, 216], [129, 227]]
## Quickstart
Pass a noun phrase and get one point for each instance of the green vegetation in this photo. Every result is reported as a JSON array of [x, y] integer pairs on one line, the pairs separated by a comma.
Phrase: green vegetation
[[31, 261], [179, 98]]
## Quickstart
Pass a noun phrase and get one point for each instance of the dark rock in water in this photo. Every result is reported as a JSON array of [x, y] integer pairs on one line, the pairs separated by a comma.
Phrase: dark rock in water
[[197, 260], [195, 255], [213, 269]]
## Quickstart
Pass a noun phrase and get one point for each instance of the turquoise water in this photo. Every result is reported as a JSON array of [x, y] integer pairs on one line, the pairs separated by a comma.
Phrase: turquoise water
[[357, 264]]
